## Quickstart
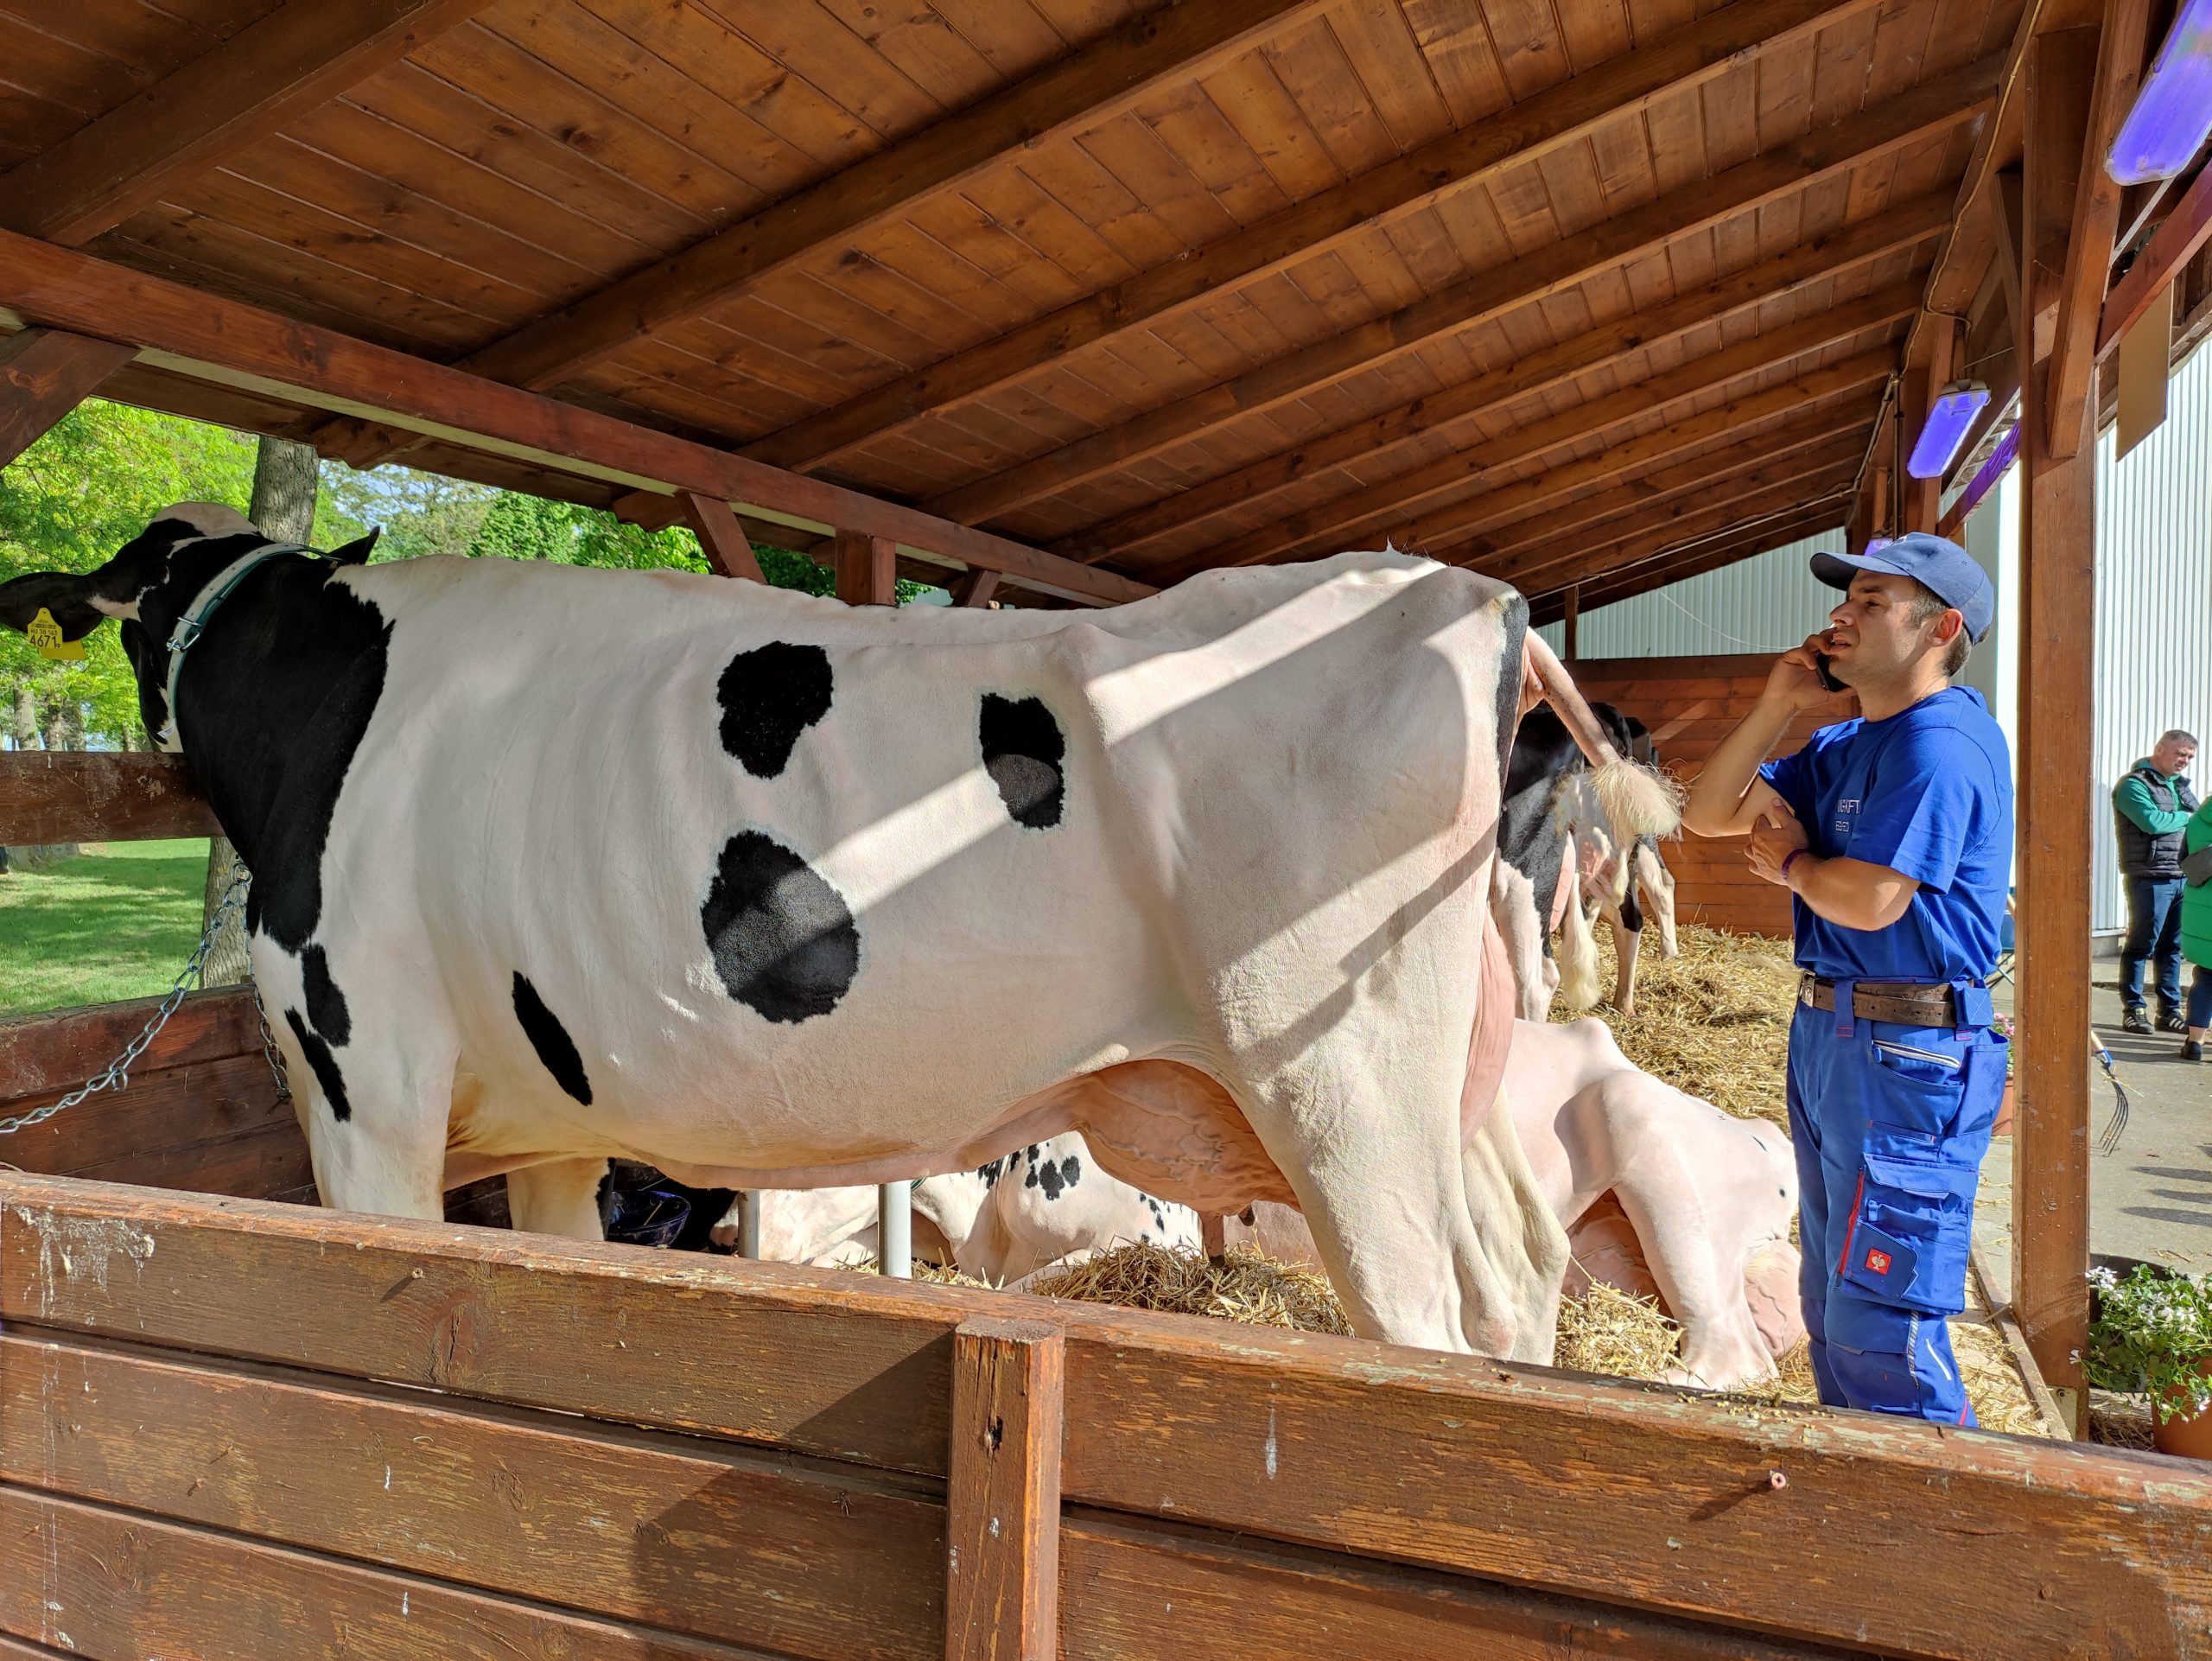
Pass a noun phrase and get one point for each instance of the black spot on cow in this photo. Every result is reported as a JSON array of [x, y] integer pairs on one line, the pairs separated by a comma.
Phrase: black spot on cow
[[326, 1011], [783, 939], [551, 1041], [324, 1066], [770, 695], [1054, 1177], [991, 1172], [1023, 751]]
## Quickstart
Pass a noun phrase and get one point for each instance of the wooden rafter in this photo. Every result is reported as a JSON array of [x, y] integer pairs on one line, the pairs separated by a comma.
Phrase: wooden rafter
[[722, 540], [303, 54], [1090, 87], [2185, 230], [1934, 107], [1830, 440], [1697, 560], [1394, 506], [2096, 220], [1589, 560], [1370, 441], [44, 374], [1675, 64], [210, 338]]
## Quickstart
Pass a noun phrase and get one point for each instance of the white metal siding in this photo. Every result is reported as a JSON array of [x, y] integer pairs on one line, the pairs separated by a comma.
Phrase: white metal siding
[[1768, 603]]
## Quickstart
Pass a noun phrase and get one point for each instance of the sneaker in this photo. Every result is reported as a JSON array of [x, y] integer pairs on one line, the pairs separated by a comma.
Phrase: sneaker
[[2170, 1022], [2135, 1021], [2192, 1052]]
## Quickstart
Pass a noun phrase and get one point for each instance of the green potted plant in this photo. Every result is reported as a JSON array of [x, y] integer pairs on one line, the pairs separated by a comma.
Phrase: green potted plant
[[2151, 1330]]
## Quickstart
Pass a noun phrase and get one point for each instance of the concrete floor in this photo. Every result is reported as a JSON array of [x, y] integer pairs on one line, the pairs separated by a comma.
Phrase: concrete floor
[[2151, 1198]]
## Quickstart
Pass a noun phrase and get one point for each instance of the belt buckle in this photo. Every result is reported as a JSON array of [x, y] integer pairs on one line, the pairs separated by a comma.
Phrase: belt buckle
[[1805, 989]]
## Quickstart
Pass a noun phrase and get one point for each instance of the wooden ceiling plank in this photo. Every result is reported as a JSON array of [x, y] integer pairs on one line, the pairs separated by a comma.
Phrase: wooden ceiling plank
[[1390, 503], [2186, 229], [1370, 440], [1696, 561], [300, 55], [211, 338], [44, 374], [1402, 184], [2121, 50], [1932, 107], [1093, 85]]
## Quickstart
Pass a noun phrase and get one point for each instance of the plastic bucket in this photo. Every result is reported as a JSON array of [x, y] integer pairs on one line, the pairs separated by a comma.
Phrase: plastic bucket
[[646, 1217]]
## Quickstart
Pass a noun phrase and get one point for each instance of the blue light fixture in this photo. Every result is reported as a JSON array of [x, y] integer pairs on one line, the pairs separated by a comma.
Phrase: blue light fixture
[[1945, 430], [2173, 110]]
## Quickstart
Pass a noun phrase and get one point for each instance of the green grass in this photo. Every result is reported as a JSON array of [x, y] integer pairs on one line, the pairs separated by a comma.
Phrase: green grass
[[116, 923]]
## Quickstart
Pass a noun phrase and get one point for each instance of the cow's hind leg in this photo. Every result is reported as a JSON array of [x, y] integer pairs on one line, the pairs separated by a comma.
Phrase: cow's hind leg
[[559, 1197]]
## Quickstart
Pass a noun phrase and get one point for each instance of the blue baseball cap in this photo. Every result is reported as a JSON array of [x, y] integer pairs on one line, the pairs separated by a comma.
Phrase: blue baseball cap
[[1943, 567]]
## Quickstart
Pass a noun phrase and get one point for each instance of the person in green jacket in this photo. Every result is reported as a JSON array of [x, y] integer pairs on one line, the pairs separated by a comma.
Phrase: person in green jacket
[[2197, 938], [2150, 806]]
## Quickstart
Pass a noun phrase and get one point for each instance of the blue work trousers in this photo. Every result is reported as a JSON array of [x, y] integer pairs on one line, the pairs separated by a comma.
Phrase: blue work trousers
[[2153, 932], [1889, 1124]]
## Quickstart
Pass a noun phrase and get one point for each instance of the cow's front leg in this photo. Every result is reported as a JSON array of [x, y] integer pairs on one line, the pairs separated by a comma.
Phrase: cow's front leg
[[559, 1197]]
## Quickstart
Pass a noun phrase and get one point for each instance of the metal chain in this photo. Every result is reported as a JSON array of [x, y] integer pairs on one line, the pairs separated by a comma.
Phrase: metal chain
[[117, 1075]]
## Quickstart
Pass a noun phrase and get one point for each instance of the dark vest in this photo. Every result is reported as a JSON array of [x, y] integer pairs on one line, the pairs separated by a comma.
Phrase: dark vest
[[2142, 854]]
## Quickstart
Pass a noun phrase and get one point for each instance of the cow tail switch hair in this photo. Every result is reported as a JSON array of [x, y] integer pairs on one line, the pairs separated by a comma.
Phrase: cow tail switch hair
[[1639, 801]]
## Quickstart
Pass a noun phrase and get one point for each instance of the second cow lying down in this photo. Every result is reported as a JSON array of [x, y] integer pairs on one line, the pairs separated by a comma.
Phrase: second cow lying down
[[1659, 1192]]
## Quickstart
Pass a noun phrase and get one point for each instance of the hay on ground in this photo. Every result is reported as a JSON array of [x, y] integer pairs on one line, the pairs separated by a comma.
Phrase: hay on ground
[[1179, 1281], [1611, 1332], [1713, 1020]]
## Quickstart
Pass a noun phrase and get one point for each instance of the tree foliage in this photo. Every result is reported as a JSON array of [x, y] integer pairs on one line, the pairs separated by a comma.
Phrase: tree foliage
[[94, 483]]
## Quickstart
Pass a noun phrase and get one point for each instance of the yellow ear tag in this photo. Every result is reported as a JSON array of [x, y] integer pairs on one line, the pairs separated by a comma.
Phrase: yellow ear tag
[[46, 639]]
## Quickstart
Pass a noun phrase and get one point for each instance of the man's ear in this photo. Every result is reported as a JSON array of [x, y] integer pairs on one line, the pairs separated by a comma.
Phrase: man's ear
[[356, 552], [68, 597]]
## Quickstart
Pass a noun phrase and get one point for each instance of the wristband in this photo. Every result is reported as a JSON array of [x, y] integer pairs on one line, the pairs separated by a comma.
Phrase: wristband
[[1787, 859]]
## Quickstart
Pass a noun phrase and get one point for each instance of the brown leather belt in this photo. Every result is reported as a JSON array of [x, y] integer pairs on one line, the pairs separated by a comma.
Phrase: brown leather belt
[[1907, 1005]]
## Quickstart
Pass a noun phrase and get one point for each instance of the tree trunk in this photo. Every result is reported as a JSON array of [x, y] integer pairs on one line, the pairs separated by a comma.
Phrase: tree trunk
[[285, 478], [25, 716]]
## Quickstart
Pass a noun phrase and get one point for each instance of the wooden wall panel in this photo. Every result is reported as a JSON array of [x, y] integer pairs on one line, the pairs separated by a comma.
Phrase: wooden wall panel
[[1701, 699], [50, 796]]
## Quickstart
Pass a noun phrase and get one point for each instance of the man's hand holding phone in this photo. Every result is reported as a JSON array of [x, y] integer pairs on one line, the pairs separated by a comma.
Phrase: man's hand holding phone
[[1800, 678]]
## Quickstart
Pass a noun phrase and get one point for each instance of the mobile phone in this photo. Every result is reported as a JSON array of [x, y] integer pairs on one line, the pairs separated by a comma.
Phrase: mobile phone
[[1827, 675]]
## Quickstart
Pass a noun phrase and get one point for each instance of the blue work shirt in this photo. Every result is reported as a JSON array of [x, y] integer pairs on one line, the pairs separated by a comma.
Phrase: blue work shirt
[[1928, 793]]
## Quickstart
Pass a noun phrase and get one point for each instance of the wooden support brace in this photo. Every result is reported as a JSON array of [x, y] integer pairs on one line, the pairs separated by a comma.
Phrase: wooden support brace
[[1572, 628], [868, 570], [2174, 242], [1002, 1501], [722, 540], [44, 374], [976, 589]]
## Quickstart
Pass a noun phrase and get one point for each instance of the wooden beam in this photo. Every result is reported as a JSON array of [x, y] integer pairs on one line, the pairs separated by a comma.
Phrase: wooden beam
[[1363, 518], [1002, 1500], [1936, 106], [1674, 65], [303, 54], [210, 337], [1371, 440], [2185, 230], [2050, 1137], [1103, 80], [44, 374], [2095, 219], [50, 796], [1570, 635], [1536, 514], [866, 568], [975, 589], [722, 540]]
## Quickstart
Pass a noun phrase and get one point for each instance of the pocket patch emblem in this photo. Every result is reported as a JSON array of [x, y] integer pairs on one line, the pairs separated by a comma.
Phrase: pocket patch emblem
[[1879, 1262]]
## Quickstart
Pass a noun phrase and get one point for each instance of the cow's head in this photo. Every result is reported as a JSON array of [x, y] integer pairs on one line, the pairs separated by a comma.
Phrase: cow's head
[[146, 585]]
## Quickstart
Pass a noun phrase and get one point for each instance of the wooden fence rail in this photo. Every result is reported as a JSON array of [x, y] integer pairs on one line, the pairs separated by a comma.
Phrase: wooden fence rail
[[281, 1432]]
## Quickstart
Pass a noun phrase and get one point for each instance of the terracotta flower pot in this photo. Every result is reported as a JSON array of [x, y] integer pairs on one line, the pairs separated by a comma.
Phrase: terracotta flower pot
[[2003, 1126], [2189, 1435]]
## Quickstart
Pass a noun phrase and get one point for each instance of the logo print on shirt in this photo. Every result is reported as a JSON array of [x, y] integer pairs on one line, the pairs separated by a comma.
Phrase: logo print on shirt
[[1879, 1262]]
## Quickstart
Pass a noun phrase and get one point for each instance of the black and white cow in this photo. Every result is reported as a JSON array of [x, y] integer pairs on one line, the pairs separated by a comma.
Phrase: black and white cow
[[555, 864]]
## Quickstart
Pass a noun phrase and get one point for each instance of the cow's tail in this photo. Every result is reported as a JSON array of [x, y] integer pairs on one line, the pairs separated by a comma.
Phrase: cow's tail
[[1639, 801]]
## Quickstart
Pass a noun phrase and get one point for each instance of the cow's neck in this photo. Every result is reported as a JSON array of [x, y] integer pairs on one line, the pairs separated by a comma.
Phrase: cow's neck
[[271, 705]]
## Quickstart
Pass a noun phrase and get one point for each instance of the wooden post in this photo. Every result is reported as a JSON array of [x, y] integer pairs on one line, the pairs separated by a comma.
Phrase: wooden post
[[2050, 1139], [1570, 636], [868, 571], [1923, 503], [44, 374], [1003, 1502], [722, 540], [976, 589]]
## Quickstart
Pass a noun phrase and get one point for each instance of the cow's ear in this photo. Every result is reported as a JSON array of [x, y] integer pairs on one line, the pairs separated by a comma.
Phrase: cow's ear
[[66, 597], [356, 552]]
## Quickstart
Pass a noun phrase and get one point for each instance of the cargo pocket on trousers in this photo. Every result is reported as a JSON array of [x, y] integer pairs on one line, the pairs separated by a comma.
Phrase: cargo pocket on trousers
[[1910, 1223], [1920, 1089]]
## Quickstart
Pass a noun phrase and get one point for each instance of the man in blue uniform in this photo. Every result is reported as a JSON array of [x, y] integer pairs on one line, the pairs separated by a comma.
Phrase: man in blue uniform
[[1893, 833]]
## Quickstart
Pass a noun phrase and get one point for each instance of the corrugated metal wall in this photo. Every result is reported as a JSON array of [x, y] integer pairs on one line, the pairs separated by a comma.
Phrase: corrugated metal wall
[[2154, 604]]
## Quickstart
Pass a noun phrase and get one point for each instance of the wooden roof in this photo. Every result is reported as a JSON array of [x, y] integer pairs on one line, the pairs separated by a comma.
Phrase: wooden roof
[[1595, 292]]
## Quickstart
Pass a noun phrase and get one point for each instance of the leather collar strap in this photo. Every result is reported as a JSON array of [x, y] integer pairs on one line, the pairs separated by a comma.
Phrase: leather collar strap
[[194, 623], [1906, 1005]]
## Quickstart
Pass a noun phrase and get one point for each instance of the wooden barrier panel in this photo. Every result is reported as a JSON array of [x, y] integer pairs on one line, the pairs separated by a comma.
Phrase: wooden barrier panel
[[1692, 704], [1275, 1494], [49, 796]]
